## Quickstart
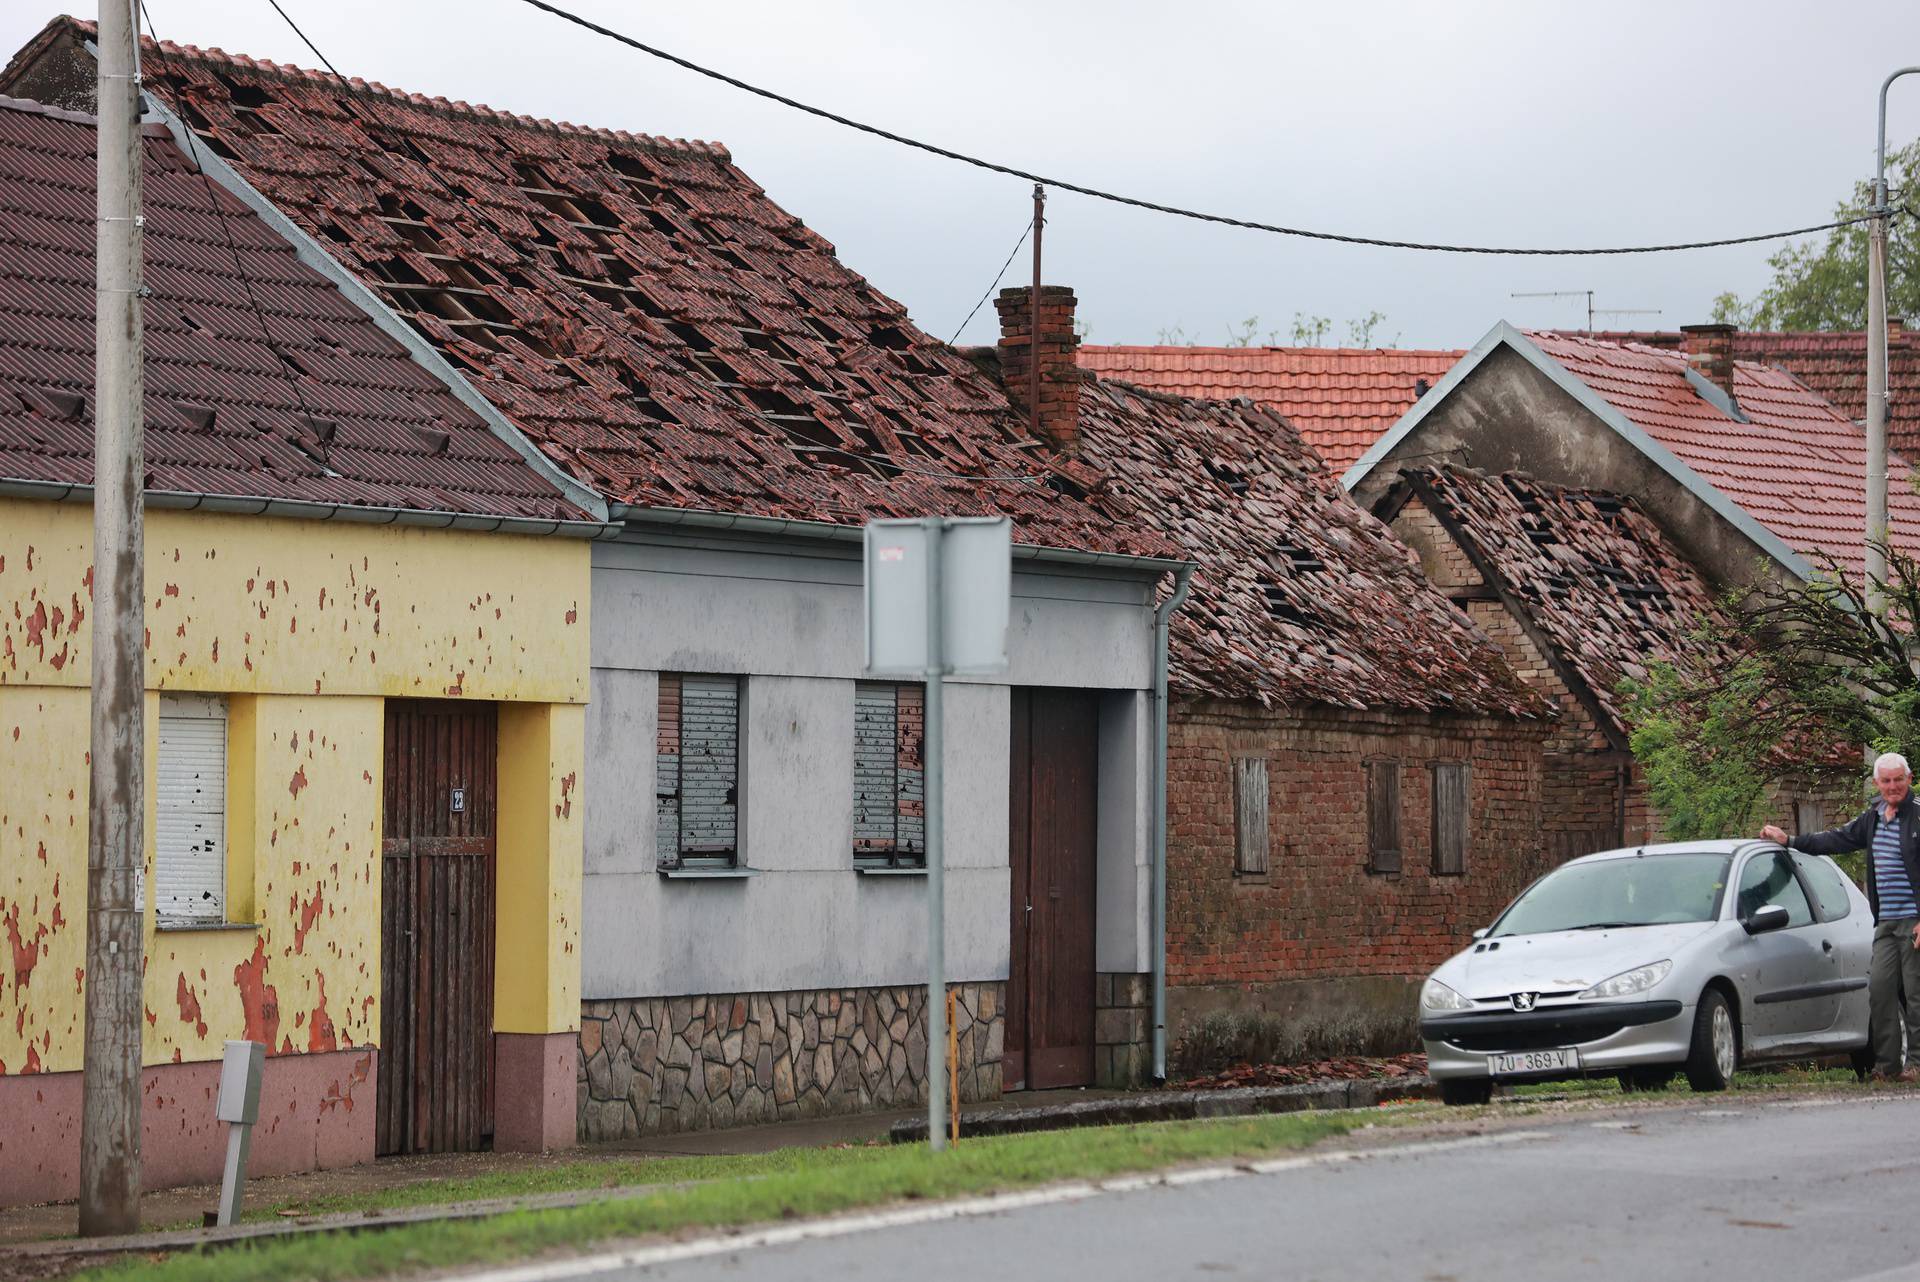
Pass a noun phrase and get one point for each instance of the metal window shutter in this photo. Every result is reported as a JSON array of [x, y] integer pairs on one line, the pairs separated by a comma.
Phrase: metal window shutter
[[874, 754], [709, 764], [909, 783], [190, 809], [666, 776], [1250, 814]]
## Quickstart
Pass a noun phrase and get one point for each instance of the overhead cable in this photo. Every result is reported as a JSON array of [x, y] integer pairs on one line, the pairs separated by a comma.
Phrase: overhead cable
[[1157, 206]]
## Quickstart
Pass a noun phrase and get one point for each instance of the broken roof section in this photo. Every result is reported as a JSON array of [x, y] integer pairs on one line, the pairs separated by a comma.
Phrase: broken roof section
[[1339, 398], [1300, 596], [320, 408], [1589, 570], [636, 306]]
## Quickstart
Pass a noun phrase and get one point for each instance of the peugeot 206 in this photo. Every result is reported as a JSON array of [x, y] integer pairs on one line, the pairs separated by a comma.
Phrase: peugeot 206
[[1694, 957]]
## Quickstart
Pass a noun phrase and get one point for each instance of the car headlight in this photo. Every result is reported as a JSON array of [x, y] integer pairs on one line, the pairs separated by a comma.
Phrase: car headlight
[[1629, 982], [1435, 995]]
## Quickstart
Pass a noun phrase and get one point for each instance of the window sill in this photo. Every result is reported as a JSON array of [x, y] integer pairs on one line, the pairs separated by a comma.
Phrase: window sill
[[735, 873], [183, 925], [921, 871]]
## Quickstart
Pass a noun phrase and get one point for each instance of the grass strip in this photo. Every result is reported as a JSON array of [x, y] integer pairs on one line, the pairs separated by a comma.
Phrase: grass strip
[[806, 1183]]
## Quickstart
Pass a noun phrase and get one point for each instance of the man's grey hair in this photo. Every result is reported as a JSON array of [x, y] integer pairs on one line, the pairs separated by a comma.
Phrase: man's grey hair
[[1890, 761]]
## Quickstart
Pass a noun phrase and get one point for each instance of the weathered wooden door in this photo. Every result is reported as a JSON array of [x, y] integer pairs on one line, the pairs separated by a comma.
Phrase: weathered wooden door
[[1054, 821], [436, 936]]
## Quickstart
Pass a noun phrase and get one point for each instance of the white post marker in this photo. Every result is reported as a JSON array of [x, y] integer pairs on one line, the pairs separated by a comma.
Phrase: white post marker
[[238, 1105], [938, 594]]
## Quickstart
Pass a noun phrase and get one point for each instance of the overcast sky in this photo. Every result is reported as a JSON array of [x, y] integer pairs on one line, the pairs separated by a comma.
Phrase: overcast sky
[[1512, 124]]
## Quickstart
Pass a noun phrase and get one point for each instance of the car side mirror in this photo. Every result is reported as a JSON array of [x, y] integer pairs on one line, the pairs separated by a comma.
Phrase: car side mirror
[[1761, 920], [1479, 934]]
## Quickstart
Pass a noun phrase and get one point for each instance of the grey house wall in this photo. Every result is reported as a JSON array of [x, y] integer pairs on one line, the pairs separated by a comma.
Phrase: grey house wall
[[787, 617]]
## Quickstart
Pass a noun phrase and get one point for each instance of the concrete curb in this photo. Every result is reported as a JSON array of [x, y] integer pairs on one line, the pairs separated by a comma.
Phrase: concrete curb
[[1179, 1106]]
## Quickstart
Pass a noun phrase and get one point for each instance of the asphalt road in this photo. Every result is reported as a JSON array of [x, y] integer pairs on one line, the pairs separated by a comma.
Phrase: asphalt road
[[1814, 1191]]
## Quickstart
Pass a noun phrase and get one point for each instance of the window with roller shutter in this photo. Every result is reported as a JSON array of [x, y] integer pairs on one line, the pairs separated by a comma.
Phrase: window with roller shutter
[[889, 804], [697, 775], [190, 810]]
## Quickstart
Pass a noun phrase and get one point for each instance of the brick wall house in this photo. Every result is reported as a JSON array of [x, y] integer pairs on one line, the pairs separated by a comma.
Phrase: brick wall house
[[1354, 770]]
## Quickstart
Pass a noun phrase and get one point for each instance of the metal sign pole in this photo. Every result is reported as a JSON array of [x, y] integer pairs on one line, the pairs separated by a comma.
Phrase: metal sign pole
[[931, 750]]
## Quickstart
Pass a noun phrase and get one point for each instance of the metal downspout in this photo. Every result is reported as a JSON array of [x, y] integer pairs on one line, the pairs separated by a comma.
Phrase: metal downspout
[[1161, 617]]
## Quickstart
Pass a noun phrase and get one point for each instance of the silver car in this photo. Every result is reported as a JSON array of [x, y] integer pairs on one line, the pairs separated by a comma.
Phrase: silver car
[[1694, 957]]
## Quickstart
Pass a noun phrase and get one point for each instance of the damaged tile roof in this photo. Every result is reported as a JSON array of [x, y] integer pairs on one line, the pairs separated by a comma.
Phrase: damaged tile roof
[[637, 306], [1339, 398], [349, 418], [1592, 572], [1797, 466], [1301, 597], [1832, 364]]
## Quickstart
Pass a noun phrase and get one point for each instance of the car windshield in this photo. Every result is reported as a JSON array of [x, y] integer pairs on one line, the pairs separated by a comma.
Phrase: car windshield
[[1644, 891]]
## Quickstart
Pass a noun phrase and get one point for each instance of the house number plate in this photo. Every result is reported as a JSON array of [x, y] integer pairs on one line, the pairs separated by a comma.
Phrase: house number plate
[[459, 802]]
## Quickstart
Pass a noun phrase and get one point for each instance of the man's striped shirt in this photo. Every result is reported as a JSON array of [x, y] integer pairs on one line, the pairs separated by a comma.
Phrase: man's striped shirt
[[1890, 874]]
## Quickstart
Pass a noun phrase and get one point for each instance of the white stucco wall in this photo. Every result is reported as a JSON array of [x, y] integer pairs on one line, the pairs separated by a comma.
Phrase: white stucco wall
[[789, 620]]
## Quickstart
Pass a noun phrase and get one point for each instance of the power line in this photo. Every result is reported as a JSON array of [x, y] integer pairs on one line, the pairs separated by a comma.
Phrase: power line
[[1156, 206], [284, 17], [998, 277]]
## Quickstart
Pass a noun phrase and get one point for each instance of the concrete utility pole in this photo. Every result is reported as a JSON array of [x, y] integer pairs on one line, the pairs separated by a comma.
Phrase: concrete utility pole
[[1877, 362], [116, 809]]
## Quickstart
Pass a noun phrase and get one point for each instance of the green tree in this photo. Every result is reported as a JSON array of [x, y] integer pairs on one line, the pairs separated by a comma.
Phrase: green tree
[[1823, 285], [1820, 673]]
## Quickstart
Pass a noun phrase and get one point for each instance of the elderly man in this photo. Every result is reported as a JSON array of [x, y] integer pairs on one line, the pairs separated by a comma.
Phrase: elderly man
[[1890, 830]]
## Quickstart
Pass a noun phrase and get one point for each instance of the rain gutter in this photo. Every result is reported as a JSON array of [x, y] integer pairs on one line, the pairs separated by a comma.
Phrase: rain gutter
[[1162, 617], [783, 527], [305, 510]]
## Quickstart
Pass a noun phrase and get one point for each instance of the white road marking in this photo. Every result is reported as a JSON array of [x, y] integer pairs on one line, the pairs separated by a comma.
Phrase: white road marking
[[993, 1204]]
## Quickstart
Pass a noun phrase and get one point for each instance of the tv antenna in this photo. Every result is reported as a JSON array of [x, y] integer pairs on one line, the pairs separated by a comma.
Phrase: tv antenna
[[1591, 312]]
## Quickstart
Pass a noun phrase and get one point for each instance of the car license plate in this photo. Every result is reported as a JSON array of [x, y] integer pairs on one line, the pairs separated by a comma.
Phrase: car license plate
[[1533, 1062]]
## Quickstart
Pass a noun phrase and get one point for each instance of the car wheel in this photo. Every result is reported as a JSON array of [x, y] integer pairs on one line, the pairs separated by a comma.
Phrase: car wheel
[[1715, 1051], [1466, 1090], [1647, 1077]]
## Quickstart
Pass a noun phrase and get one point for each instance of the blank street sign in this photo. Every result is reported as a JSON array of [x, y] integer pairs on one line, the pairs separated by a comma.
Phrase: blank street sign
[[976, 585]]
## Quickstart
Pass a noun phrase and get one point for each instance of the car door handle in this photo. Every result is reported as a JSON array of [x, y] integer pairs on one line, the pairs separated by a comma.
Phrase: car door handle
[[1826, 945]]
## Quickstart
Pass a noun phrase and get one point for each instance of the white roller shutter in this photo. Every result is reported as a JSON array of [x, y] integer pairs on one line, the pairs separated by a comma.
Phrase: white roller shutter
[[190, 809]]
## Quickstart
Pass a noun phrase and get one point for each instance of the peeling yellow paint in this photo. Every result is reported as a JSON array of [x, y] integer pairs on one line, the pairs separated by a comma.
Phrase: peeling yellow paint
[[307, 627]]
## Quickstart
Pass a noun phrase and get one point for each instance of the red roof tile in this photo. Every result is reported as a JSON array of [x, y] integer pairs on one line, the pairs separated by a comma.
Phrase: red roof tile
[[1593, 572], [637, 306], [355, 421], [1797, 465], [1835, 366], [1340, 399], [1301, 596]]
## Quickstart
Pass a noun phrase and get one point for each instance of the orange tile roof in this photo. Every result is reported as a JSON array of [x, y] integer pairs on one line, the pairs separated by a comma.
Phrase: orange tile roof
[[1797, 466], [1339, 398]]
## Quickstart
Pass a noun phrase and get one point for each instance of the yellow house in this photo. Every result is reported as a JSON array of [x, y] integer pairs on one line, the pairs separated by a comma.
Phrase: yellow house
[[367, 660]]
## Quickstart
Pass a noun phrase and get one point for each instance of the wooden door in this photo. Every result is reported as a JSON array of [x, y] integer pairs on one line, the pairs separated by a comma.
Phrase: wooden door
[[1054, 759], [436, 936]]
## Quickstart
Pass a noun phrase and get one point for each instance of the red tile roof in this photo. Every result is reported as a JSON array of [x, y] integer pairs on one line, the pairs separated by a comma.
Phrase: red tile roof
[[1797, 466], [354, 421], [1341, 399], [1595, 575], [1834, 365], [1301, 596], [636, 305]]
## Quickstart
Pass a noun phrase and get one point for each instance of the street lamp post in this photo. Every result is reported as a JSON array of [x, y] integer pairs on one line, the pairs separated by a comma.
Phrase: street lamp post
[[1877, 363]]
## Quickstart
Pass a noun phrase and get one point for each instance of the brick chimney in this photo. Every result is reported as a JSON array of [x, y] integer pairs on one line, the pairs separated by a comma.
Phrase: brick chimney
[[1060, 377], [1709, 351]]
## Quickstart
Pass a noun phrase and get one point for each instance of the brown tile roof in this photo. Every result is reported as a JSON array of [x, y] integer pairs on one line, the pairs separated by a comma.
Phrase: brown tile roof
[[1832, 364], [1301, 596], [636, 305], [1797, 465], [1340, 399], [353, 421], [1593, 572]]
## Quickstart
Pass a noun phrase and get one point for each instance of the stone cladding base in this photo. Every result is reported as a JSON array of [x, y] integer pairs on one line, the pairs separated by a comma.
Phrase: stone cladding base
[[650, 1065]]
